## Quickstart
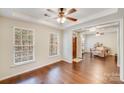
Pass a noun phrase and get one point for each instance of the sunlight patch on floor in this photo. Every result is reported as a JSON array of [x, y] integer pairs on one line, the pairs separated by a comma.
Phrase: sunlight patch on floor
[[77, 59]]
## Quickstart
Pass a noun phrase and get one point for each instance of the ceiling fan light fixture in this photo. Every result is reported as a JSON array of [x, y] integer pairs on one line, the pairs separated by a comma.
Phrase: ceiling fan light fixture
[[62, 15], [61, 20], [99, 34]]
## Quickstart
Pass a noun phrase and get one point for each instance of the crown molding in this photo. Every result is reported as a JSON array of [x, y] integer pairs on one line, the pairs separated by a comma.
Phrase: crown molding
[[20, 16], [16, 15], [30, 19], [95, 16]]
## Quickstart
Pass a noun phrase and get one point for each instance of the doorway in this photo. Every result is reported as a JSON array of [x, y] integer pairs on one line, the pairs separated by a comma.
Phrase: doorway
[[118, 52], [74, 47]]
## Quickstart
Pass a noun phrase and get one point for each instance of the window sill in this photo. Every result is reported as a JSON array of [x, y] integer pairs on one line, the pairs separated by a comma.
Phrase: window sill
[[23, 63], [53, 56]]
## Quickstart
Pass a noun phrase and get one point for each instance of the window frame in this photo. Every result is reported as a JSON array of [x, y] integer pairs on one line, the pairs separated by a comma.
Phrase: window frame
[[13, 46], [58, 46]]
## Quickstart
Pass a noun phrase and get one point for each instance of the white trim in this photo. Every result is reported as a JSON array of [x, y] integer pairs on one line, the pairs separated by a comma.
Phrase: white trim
[[58, 40], [17, 15], [66, 60], [23, 17], [54, 56], [118, 46], [24, 62], [121, 49], [94, 24], [6, 77], [95, 16]]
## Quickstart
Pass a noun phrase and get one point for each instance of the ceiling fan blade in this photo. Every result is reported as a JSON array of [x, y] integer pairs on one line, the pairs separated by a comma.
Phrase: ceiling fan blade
[[71, 11], [46, 15], [101, 33], [71, 18], [50, 10]]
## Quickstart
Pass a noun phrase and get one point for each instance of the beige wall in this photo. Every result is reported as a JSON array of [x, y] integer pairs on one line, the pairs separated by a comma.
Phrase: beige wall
[[67, 46], [41, 47], [109, 39]]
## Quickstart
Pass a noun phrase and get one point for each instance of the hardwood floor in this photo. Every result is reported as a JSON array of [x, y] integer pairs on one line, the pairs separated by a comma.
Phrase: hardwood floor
[[89, 70]]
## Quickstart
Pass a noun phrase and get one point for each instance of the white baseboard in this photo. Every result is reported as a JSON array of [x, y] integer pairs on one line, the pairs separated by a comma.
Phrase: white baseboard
[[6, 77], [121, 78], [66, 60]]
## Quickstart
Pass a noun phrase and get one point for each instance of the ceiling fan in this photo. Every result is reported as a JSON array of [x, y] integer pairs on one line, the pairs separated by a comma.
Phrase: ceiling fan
[[99, 34], [62, 14]]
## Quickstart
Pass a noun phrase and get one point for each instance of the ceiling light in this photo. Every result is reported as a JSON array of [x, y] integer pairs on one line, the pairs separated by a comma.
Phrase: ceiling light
[[92, 29], [61, 20], [97, 34]]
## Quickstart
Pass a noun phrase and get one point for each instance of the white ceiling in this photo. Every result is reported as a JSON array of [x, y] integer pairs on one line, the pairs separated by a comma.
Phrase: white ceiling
[[105, 28], [37, 15]]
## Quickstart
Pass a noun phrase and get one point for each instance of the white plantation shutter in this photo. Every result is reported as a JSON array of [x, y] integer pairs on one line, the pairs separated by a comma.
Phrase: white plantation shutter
[[54, 44], [23, 45]]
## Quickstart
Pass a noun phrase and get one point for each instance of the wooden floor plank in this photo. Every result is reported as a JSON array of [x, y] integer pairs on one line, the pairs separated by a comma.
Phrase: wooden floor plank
[[91, 70]]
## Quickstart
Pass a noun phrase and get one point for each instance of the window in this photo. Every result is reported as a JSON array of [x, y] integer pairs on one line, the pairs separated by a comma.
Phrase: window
[[23, 45], [54, 44]]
